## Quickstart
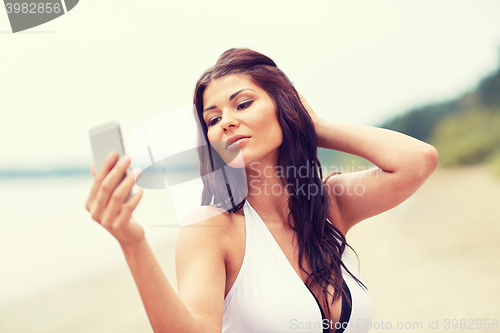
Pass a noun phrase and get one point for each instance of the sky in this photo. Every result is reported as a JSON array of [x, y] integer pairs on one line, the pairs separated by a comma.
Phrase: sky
[[357, 62]]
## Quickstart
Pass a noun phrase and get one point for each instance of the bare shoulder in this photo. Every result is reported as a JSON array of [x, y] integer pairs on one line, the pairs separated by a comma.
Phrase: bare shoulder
[[205, 215], [205, 224]]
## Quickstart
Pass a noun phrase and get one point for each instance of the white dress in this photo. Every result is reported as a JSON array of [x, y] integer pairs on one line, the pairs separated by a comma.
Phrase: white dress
[[269, 296]]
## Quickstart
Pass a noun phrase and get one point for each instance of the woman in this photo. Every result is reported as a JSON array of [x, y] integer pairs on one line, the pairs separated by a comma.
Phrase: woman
[[235, 274]]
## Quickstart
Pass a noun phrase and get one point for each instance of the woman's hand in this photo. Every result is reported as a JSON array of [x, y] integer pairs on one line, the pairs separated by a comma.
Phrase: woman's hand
[[314, 117], [107, 203]]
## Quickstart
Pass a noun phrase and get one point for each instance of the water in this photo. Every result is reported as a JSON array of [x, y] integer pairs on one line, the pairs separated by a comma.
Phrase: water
[[48, 238]]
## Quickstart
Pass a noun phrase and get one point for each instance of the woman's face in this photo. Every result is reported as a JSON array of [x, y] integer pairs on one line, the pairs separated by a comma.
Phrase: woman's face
[[234, 106]]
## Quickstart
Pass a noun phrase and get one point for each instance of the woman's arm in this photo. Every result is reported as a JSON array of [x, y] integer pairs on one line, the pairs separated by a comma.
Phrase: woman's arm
[[166, 311], [389, 150], [404, 163]]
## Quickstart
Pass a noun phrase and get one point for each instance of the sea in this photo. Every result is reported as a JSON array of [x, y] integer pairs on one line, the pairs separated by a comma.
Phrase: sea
[[48, 238]]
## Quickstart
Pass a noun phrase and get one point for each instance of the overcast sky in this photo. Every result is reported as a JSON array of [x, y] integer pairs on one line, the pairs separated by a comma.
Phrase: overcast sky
[[355, 61]]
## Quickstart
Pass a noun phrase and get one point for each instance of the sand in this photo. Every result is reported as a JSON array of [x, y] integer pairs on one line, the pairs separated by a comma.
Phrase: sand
[[434, 257]]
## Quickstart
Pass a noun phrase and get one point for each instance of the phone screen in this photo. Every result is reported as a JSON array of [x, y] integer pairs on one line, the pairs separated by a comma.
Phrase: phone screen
[[104, 139]]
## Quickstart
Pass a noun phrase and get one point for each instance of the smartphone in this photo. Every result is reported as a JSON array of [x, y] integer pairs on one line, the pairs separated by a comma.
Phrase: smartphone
[[104, 139]]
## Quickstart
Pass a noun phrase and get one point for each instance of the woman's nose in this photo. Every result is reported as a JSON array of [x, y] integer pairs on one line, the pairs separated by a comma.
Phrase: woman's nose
[[228, 120]]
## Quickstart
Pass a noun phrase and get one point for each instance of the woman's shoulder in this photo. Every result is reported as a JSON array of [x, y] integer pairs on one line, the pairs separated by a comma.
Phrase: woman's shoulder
[[209, 222], [206, 229], [206, 215]]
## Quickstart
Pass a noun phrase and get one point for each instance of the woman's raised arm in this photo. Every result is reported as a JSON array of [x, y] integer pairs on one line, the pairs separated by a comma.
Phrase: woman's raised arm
[[404, 163]]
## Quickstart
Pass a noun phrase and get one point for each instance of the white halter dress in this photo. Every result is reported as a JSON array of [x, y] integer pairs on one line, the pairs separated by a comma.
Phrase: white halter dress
[[269, 296]]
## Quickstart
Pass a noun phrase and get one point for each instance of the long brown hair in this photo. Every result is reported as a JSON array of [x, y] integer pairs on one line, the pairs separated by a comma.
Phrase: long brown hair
[[319, 241]]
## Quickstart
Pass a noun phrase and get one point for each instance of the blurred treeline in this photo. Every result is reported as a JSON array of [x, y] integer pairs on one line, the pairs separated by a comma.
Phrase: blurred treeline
[[465, 130]]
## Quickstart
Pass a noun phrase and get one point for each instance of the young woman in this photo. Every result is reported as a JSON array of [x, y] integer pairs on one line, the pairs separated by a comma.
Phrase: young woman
[[269, 256]]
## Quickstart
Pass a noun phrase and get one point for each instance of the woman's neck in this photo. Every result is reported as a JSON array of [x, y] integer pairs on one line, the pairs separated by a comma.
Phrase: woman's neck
[[267, 194]]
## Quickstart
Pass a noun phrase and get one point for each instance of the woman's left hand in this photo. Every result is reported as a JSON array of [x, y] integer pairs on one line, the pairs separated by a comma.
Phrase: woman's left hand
[[314, 117]]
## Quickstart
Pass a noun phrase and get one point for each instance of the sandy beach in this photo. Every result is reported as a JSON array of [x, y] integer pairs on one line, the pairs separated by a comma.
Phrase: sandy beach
[[436, 256], [431, 259]]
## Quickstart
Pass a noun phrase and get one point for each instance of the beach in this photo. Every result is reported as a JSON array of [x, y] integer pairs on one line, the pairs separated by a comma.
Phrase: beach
[[431, 259], [435, 257]]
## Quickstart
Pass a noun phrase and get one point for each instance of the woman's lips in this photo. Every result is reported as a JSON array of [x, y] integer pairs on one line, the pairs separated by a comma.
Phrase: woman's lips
[[239, 143]]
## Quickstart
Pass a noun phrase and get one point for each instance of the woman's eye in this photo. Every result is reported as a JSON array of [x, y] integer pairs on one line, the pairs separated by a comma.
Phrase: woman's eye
[[212, 121], [244, 105], [241, 106]]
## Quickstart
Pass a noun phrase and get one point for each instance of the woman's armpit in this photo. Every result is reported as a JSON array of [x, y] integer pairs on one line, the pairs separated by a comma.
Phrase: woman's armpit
[[331, 174]]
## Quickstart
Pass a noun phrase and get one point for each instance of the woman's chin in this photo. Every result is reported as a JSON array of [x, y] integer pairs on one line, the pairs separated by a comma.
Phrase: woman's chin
[[237, 161]]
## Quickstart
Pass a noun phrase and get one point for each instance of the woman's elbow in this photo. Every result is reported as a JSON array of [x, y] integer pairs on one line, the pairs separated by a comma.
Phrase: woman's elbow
[[418, 167], [429, 161]]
